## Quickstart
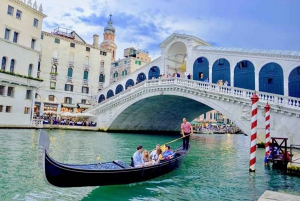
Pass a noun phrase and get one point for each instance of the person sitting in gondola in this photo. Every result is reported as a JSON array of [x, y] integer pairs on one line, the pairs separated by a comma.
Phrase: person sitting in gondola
[[168, 153], [137, 157], [153, 154], [160, 156], [146, 158]]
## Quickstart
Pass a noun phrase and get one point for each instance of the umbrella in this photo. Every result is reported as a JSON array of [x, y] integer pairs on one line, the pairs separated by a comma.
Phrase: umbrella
[[84, 115], [67, 114]]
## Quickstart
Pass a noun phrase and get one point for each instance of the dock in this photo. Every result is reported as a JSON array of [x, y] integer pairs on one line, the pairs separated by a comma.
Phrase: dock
[[276, 196]]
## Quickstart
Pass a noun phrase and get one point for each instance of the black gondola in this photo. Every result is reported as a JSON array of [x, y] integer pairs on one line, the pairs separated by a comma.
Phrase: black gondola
[[109, 173]]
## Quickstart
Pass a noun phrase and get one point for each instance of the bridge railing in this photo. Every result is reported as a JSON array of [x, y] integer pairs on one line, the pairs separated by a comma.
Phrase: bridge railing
[[279, 100]]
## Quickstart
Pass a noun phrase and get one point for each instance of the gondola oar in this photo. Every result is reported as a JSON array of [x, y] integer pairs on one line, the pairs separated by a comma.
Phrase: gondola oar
[[164, 146]]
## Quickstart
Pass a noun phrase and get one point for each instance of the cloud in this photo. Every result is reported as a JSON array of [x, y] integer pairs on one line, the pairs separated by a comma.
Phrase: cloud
[[145, 24]]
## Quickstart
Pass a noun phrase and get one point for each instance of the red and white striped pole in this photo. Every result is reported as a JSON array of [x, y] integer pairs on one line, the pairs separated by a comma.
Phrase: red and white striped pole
[[267, 112], [254, 100]]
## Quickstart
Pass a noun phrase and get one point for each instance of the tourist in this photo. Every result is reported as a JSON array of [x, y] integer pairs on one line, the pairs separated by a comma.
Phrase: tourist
[[177, 75], [189, 76], [267, 157], [160, 156], [153, 154], [146, 158], [226, 83], [137, 157], [168, 153], [186, 130]]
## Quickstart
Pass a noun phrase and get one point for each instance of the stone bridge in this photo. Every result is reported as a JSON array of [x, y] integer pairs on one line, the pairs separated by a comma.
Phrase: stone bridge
[[160, 105]]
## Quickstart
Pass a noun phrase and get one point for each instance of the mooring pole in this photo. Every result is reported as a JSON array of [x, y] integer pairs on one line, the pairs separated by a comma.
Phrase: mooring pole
[[267, 118], [254, 101]]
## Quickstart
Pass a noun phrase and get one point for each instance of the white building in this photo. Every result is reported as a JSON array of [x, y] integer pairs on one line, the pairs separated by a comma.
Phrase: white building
[[73, 72], [20, 48]]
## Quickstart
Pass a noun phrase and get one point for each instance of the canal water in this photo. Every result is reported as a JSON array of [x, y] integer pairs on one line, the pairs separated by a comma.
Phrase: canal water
[[215, 169]]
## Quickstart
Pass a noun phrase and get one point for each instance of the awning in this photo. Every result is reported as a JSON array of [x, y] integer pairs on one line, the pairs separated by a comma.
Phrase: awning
[[68, 105], [37, 103], [50, 104], [83, 106], [182, 67]]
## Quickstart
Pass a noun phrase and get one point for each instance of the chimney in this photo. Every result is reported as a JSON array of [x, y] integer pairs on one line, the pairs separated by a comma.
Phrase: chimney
[[96, 40]]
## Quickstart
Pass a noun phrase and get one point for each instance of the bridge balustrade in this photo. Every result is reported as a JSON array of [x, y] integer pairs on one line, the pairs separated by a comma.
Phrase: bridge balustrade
[[213, 88]]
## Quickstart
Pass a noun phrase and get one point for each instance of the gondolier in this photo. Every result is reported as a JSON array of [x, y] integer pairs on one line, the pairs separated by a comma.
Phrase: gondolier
[[186, 130]]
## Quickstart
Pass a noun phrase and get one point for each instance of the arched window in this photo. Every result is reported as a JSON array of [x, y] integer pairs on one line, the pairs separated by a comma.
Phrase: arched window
[[85, 75], [12, 66], [3, 63], [101, 78], [30, 70], [70, 72]]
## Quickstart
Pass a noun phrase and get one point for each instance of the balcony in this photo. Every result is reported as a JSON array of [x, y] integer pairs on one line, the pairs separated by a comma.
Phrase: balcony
[[69, 79], [85, 81], [53, 76], [86, 67], [54, 60], [70, 64]]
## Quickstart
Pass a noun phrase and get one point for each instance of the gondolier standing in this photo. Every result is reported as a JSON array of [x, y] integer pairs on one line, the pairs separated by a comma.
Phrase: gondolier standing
[[186, 130]]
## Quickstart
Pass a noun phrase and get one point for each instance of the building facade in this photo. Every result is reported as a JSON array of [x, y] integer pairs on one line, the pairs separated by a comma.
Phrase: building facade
[[73, 72], [20, 25]]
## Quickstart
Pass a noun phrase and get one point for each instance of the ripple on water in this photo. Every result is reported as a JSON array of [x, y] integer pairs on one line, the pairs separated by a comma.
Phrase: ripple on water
[[215, 169]]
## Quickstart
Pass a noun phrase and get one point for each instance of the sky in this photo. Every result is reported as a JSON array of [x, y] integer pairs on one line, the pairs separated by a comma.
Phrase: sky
[[144, 24]]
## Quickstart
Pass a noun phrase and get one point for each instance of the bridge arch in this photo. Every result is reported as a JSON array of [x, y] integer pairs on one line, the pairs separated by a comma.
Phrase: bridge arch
[[271, 78], [101, 98], [294, 82], [110, 94], [141, 77], [129, 83], [221, 71], [244, 75], [119, 89], [154, 72], [189, 104], [201, 69]]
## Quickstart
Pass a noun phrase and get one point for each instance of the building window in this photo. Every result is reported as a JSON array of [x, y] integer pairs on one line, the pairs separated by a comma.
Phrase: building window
[[102, 64], [51, 98], [101, 78], [32, 43], [8, 109], [68, 100], [12, 66], [16, 35], [35, 22], [116, 64], [103, 53], [19, 14], [83, 101], [87, 49], [10, 91], [125, 62], [52, 85], [138, 62], [28, 94], [42, 36], [70, 72], [57, 40], [30, 70], [10, 10], [26, 110], [1, 108], [116, 74], [68, 87], [85, 90], [72, 44], [85, 75], [3, 63], [7, 34], [2, 90]]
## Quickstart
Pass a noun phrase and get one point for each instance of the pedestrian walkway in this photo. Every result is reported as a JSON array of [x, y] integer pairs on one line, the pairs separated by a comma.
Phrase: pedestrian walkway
[[276, 196]]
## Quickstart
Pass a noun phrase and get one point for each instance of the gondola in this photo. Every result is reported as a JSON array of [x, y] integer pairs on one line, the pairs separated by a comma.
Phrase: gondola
[[108, 173]]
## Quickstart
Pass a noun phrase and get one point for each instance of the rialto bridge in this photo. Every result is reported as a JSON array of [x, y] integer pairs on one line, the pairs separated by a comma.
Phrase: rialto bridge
[[142, 101]]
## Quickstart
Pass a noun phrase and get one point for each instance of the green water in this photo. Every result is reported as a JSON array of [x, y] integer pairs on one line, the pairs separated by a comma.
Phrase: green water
[[215, 169]]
